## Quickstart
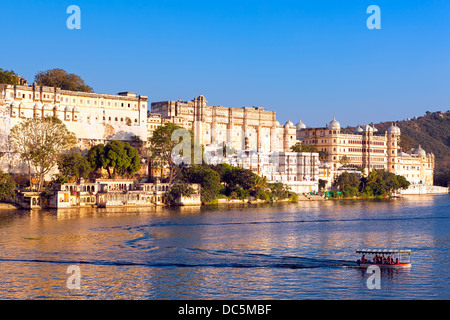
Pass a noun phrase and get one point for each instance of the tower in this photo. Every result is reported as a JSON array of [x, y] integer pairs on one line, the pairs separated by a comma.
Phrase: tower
[[393, 135], [366, 147], [199, 109]]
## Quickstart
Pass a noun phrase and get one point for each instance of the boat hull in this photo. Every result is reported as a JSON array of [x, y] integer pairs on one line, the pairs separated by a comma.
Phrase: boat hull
[[403, 265]]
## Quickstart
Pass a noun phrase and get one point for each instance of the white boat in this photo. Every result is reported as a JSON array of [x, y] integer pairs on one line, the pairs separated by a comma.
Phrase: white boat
[[385, 258]]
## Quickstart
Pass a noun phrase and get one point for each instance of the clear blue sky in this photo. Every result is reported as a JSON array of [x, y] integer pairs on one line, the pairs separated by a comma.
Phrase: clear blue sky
[[308, 59]]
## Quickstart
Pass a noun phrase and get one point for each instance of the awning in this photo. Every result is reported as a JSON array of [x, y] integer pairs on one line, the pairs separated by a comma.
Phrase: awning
[[385, 251]]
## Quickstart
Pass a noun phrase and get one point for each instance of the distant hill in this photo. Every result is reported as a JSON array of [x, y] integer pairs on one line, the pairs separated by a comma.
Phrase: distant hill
[[431, 131]]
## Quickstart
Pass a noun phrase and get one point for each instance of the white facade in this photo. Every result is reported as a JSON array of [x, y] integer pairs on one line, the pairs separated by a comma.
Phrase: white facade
[[94, 118], [300, 171]]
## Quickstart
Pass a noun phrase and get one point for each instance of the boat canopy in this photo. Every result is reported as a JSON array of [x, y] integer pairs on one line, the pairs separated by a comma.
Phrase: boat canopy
[[385, 251]]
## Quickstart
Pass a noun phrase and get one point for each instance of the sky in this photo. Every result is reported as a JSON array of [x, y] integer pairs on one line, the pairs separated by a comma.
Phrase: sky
[[309, 59]]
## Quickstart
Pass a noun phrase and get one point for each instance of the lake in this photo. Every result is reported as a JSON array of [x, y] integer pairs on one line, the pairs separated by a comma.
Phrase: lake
[[279, 251]]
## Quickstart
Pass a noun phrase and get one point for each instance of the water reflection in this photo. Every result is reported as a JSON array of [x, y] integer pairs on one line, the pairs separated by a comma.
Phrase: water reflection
[[288, 251]]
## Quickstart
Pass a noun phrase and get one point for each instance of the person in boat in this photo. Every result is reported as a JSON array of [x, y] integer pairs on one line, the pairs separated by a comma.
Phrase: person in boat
[[363, 258]]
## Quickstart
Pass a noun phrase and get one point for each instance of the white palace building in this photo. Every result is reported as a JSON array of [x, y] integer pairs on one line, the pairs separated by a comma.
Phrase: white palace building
[[259, 141]]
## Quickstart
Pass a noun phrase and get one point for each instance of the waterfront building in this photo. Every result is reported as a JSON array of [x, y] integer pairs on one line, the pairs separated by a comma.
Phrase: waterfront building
[[298, 170], [248, 128], [369, 149], [104, 193], [93, 117]]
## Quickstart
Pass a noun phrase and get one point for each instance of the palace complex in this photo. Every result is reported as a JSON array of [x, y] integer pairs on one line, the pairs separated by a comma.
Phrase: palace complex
[[369, 149], [248, 128], [257, 140]]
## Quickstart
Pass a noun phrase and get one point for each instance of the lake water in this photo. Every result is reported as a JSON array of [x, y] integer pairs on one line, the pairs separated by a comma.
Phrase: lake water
[[282, 251]]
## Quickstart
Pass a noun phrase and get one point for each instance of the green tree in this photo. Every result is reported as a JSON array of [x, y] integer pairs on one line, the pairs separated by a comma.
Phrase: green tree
[[350, 191], [208, 179], [402, 182], [117, 157], [162, 149], [61, 79], [134, 163], [346, 179], [74, 164], [8, 77], [259, 188], [96, 157], [244, 178], [7, 186], [236, 192], [279, 191], [41, 141]]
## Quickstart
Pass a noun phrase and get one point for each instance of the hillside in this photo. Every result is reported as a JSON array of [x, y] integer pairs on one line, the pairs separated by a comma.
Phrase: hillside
[[431, 131]]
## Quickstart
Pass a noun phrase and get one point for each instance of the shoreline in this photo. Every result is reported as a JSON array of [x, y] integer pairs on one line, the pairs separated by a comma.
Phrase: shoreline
[[8, 206]]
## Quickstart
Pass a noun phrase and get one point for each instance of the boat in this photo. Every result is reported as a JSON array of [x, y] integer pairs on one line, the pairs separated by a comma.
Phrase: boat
[[385, 258]]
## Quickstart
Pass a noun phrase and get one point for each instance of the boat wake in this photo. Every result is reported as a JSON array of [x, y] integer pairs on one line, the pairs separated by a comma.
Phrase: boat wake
[[200, 258]]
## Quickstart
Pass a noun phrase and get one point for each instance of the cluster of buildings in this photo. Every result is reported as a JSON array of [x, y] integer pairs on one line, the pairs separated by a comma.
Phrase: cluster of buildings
[[257, 140]]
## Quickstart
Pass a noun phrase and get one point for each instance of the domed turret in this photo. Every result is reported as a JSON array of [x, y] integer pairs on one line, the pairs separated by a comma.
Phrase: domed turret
[[289, 124], [368, 128], [420, 152], [393, 129], [358, 129], [334, 124], [300, 125]]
